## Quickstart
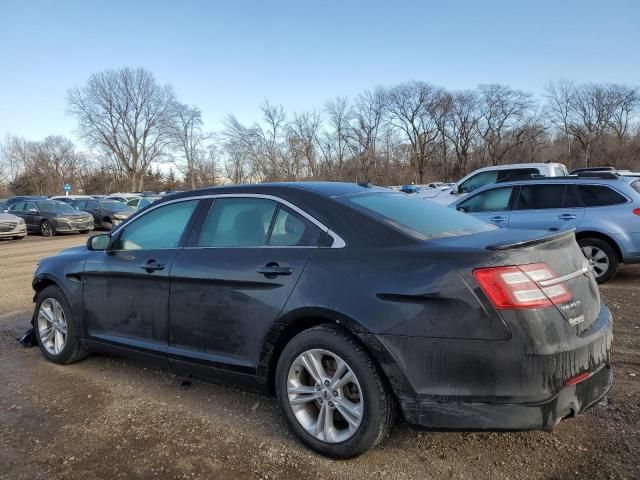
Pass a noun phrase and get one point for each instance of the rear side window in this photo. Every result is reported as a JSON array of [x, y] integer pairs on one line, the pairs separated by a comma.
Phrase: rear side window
[[291, 230], [636, 186], [538, 197], [600, 196], [237, 222], [17, 207], [417, 216], [494, 200], [79, 204]]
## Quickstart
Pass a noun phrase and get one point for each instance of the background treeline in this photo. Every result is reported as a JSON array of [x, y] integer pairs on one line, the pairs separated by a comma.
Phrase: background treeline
[[411, 132]]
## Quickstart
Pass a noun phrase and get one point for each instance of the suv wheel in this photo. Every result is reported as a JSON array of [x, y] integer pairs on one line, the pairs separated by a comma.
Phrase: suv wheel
[[55, 328], [332, 394], [601, 256]]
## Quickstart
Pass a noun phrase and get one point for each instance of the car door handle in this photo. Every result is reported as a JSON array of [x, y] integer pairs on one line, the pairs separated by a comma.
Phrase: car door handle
[[567, 216], [272, 270], [498, 219], [152, 266]]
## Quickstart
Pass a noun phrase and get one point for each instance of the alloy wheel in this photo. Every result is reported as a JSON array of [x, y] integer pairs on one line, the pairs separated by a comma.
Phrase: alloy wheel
[[52, 326], [46, 229], [325, 395], [597, 258]]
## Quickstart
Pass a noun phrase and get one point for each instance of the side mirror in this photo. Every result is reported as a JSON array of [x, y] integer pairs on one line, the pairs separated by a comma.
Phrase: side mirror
[[99, 242], [462, 209]]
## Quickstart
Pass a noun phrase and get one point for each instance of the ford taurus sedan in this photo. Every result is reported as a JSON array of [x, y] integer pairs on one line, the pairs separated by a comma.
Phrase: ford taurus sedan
[[350, 303]]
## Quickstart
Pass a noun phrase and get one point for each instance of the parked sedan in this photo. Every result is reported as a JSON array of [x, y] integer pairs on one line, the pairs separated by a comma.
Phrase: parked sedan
[[349, 302], [106, 213], [12, 226], [49, 217]]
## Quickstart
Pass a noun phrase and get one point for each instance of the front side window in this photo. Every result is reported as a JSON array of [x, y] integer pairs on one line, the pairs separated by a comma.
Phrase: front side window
[[600, 196], [237, 222], [479, 180], [30, 206], [79, 204], [538, 197], [494, 200], [159, 229], [17, 207]]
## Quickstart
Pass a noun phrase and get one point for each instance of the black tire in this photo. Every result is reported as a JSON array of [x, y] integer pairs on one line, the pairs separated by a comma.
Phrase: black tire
[[73, 350], [46, 229], [379, 410], [606, 273], [107, 224]]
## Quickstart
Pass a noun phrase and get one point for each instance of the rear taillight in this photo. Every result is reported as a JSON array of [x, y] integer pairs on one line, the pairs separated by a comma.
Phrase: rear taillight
[[636, 211], [518, 287]]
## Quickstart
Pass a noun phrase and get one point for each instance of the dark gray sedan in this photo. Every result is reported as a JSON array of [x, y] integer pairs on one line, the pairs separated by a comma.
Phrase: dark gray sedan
[[107, 214], [49, 217]]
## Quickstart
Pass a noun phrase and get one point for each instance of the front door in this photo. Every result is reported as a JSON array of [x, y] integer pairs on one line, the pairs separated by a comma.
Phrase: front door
[[126, 288], [233, 280]]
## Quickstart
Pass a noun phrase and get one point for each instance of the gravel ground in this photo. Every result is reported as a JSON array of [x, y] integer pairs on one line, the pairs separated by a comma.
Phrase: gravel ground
[[108, 417]]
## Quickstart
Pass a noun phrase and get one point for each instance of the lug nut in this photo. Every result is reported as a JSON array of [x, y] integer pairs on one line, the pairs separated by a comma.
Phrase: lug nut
[[331, 404], [326, 383], [335, 394]]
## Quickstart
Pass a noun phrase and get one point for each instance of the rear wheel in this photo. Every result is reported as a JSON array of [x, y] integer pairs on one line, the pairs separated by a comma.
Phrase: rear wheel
[[107, 224], [47, 229], [332, 394], [601, 256], [56, 329]]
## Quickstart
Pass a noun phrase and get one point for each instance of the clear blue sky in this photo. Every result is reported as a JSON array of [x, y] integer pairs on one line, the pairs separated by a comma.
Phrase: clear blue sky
[[227, 57]]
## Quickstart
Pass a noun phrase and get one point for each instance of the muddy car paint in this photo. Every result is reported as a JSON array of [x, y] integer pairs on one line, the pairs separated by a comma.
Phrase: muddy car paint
[[452, 359]]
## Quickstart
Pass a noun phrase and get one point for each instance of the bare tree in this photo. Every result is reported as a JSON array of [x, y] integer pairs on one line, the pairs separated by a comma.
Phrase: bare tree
[[558, 108], [368, 114], [126, 113], [304, 131], [462, 126], [504, 115], [336, 138], [188, 138], [624, 102]]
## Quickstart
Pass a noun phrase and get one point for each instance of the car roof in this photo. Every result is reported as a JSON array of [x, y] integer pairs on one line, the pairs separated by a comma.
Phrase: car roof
[[328, 189], [520, 165]]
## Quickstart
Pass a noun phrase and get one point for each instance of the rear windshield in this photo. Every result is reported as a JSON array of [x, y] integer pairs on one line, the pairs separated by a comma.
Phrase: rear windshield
[[417, 216]]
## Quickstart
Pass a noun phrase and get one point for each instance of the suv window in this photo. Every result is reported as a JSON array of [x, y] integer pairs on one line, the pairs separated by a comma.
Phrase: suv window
[[160, 228], [79, 204], [537, 197], [30, 206], [600, 196], [17, 207], [291, 230], [237, 222], [91, 205], [636, 186], [479, 180], [494, 200], [516, 173]]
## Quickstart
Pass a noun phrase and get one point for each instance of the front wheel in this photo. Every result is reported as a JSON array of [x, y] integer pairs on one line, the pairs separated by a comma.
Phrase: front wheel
[[601, 256], [332, 394], [47, 229], [55, 328]]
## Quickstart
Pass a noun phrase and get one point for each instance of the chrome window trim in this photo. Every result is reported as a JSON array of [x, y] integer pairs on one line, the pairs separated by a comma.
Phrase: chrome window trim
[[338, 242]]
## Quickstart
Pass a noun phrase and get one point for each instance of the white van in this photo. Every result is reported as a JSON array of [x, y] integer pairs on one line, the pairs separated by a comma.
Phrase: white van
[[485, 176]]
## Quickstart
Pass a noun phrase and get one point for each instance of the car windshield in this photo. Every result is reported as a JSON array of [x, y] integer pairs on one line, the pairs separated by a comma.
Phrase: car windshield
[[417, 216], [56, 207], [114, 205]]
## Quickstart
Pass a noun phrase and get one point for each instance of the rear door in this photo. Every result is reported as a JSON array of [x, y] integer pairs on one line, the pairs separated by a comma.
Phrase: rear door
[[550, 206], [492, 205], [234, 278]]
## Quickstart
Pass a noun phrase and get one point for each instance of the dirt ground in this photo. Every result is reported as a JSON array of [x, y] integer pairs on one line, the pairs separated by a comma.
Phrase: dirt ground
[[108, 417]]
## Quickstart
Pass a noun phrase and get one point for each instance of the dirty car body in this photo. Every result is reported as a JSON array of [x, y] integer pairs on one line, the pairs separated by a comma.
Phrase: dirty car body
[[471, 326]]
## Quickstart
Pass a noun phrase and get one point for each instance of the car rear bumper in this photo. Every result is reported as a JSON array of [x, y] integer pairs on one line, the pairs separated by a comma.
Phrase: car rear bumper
[[568, 402], [497, 385]]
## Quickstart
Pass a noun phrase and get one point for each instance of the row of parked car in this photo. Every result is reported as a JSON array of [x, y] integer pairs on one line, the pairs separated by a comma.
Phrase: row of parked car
[[21, 215]]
